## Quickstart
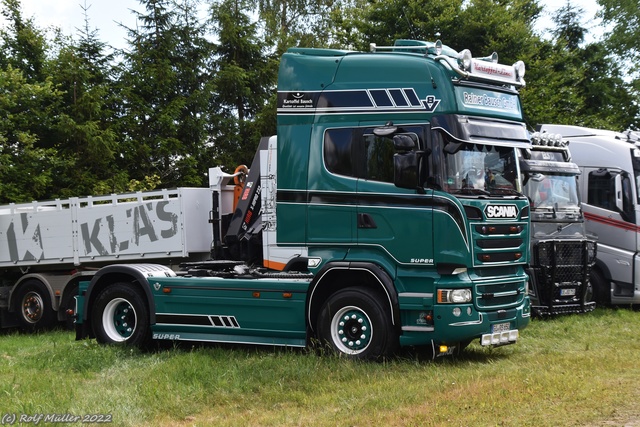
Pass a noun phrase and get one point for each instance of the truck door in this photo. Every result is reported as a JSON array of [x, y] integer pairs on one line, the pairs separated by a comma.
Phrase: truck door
[[391, 221], [332, 189]]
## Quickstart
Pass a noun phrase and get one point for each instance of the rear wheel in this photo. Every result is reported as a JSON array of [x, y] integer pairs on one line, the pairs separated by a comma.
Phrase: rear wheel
[[120, 315], [355, 323], [33, 305]]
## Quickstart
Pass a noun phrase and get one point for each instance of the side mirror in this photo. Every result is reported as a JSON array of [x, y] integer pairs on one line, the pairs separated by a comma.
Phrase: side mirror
[[403, 143], [618, 190], [452, 147], [405, 169]]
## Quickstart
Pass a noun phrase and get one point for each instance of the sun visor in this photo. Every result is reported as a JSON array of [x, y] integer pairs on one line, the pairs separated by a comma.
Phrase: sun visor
[[479, 130], [546, 167]]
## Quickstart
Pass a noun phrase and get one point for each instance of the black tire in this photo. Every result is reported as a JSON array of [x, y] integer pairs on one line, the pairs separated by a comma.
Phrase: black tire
[[355, 322], [33, 306], [120, 316], [589, 296], [601, 288]]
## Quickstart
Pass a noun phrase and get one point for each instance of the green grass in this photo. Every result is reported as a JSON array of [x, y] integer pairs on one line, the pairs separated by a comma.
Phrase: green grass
[[578, 370]]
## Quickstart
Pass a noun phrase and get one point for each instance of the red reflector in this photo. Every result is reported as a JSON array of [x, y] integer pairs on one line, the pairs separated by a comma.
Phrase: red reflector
[[287, 295], [166, 290], [485, 257], [256, 294]]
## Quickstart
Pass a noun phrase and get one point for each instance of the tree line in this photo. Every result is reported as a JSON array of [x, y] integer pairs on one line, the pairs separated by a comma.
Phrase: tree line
[[190, 92]]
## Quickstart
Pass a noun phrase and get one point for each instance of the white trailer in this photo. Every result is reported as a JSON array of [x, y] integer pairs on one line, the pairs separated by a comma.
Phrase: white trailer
[[610, 188], [46, 247]]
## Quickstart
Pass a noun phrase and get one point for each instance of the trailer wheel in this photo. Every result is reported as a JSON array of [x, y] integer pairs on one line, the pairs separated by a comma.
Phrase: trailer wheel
[[120, 315], [33, 305], [353, 322]]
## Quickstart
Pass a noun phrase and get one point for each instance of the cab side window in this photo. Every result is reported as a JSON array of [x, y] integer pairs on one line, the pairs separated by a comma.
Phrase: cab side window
[[601, 191], [338, 151], [378, 158], [359, 153]]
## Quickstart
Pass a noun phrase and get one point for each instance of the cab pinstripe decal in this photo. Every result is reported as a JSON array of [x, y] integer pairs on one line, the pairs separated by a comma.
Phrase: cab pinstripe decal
[[612, 222], [380, 100]]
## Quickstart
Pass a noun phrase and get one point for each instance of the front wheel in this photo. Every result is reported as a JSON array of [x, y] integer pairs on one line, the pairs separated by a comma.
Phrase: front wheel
[[600, 287], [120, 315], [355, 323]]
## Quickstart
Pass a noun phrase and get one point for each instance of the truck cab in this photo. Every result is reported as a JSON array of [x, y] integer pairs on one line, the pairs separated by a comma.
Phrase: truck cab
[[561, 253], [609, 163]]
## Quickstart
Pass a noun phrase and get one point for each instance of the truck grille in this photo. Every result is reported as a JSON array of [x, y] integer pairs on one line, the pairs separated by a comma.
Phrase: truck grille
[[499, 295], [561, 269], [560, 253], [496, 244]]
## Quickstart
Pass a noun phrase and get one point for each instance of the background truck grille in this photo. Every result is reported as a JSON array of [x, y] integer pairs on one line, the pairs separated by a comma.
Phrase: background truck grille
[[561, 270]]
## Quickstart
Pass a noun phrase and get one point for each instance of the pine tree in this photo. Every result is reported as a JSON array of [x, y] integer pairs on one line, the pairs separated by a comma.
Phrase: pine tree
[[163, 84], [245, 79], [85, 131]]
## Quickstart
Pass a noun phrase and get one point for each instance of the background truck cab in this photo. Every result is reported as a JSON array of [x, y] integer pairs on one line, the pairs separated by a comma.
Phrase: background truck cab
[[610, 174], [561, 253]]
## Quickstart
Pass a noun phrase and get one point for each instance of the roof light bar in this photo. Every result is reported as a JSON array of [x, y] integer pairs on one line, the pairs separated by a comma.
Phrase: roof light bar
[[548, 140]]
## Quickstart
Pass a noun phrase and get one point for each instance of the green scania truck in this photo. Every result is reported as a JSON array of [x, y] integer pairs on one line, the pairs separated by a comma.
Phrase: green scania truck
[[388, 211]]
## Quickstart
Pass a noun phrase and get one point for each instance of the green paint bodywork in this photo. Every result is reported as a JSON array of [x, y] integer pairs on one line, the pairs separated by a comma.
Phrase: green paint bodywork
[[261, 312]]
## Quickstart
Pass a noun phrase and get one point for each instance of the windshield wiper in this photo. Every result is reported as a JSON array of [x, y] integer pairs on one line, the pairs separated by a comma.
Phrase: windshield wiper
[[504, 191], [471, 190]]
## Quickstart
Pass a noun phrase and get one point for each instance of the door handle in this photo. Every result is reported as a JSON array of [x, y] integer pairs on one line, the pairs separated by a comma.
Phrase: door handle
[[366, 221]]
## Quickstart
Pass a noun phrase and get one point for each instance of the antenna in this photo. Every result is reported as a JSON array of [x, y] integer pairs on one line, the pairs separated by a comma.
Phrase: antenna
[[413, 34]]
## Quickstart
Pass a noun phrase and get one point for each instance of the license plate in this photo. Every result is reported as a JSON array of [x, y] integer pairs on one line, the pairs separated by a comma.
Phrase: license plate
[[500, 327], [567, 292]]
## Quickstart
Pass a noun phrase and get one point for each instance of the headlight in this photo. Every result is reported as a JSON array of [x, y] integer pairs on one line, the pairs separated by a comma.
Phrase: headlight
[[454, 296], [592, 251], [438, 47], [464, 59], [519, 69]]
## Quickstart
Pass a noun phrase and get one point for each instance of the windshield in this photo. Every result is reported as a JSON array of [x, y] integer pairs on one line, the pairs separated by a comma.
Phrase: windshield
[[481, 169], [555, 192], [635, 161]]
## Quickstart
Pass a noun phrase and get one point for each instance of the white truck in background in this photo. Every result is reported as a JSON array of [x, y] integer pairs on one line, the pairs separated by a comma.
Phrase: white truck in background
[[610, 188], [47, 247]]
